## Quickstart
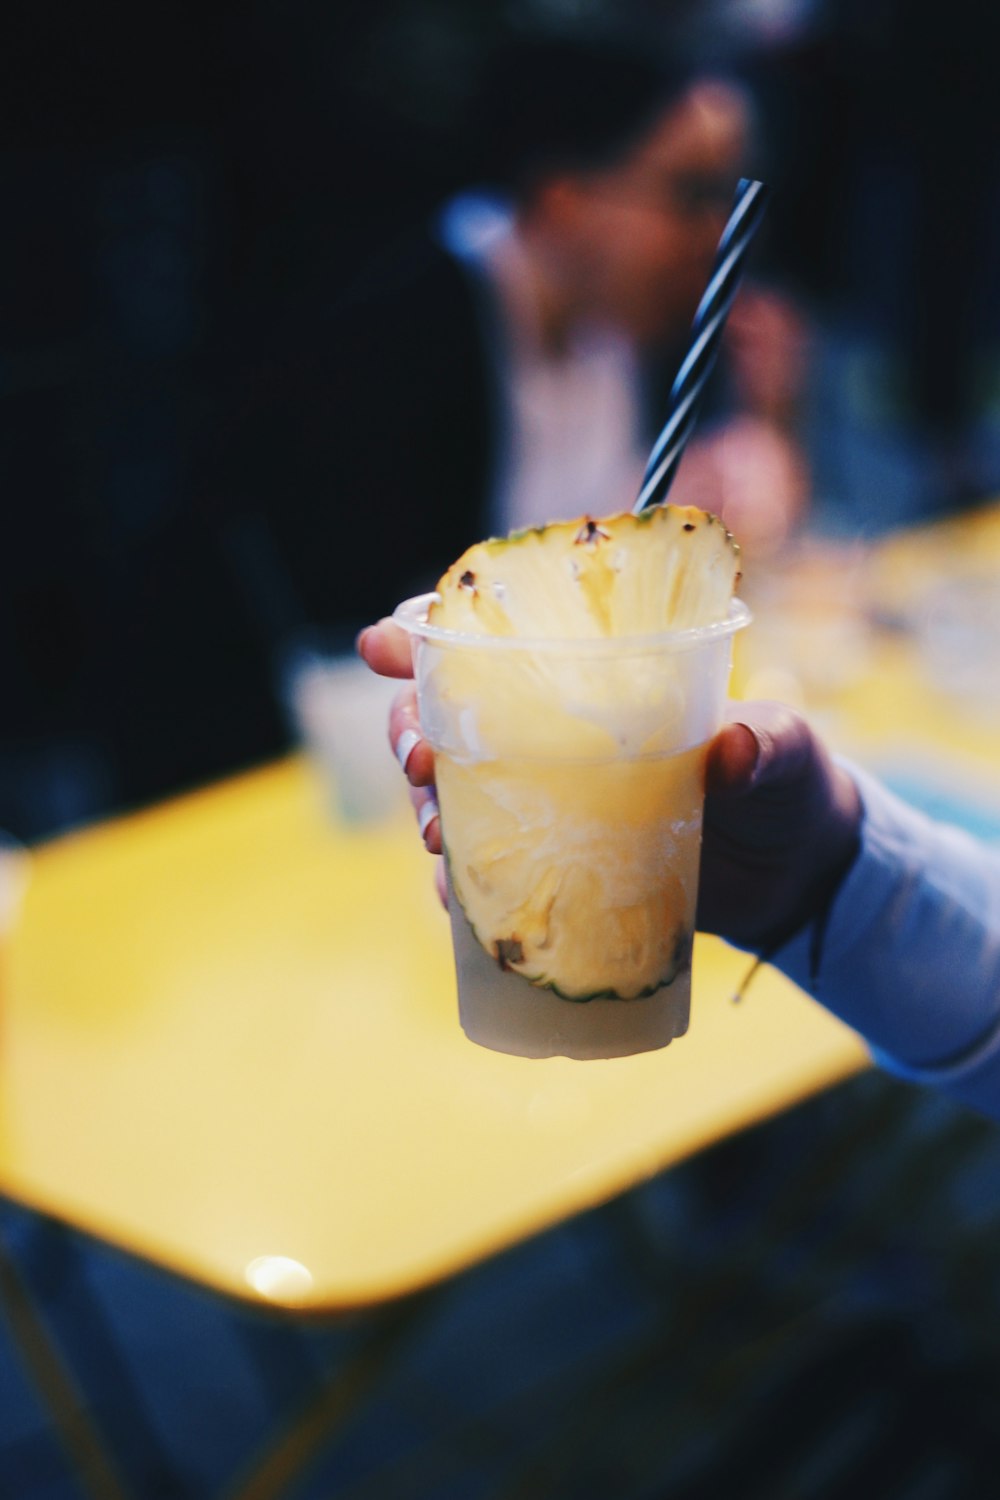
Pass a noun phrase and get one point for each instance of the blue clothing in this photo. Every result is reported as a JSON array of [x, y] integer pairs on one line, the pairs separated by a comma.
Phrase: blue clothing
[[911, 950]]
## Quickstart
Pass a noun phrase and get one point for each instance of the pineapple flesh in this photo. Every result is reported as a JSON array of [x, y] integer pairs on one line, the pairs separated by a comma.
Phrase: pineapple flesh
[[570, 780], [671, 568]]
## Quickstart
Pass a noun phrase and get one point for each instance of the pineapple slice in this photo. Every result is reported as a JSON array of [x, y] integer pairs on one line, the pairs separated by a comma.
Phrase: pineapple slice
[[670, 568], [570, 798]]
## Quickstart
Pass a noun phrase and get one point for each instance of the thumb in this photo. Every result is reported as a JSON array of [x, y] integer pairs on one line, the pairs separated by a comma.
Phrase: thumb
[[762, 742], [732, 759]]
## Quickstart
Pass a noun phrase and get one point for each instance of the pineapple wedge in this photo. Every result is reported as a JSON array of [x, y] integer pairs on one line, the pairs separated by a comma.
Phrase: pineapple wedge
[[670, 568], [570, 799]]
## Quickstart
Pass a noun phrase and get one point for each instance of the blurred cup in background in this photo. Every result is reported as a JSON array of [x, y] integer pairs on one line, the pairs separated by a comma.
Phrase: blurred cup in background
[[339, 712], [811, 640], [14, 870], [957, 629]]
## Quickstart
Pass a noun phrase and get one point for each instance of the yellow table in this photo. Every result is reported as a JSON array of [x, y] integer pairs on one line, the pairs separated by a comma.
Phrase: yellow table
[[230, 1045]]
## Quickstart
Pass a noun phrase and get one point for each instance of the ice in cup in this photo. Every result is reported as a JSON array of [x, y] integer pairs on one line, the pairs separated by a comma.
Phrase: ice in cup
[[570, 780]]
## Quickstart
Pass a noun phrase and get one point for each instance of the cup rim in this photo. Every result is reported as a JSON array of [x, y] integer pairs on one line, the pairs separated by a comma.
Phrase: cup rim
[[411, 615]]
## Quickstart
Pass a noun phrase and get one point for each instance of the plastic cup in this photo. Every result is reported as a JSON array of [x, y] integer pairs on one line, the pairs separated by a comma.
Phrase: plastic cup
[[598, 747]]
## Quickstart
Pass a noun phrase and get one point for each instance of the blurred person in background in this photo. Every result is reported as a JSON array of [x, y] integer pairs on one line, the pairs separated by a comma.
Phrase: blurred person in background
[[510, 364]]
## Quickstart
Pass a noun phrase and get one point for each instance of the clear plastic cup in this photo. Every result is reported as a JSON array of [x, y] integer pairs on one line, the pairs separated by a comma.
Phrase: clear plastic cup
[[578, 765]]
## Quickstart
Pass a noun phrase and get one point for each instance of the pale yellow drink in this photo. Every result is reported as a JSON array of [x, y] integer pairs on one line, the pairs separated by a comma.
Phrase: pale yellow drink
[[570, 778]]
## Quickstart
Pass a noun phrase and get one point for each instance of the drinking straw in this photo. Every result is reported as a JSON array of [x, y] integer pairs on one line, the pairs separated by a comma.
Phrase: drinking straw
[[706, 335]]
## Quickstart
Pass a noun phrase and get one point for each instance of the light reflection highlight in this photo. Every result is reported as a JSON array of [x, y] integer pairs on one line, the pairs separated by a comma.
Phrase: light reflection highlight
[[278, 1278]]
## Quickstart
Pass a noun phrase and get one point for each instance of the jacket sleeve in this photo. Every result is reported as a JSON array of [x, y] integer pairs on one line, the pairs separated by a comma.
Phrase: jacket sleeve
[[910, 956]]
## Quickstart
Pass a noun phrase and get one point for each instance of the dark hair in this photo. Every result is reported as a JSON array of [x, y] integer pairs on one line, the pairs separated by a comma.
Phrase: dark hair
[[569, 102]]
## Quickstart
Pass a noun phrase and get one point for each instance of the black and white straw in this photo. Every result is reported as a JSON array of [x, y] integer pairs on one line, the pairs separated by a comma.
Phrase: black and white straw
[[706, 334]]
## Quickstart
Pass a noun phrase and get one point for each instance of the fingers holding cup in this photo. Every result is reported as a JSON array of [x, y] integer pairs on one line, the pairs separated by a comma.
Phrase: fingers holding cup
[[386, 649], [425, 806], [408, 744]]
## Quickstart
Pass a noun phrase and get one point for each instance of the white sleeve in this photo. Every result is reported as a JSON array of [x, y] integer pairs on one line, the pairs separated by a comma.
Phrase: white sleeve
[[910, 952]]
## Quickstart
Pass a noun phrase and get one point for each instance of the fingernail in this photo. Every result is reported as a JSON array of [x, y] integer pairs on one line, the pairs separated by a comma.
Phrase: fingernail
[[428, 812], [360, 640], [756, 749], [405, 746]]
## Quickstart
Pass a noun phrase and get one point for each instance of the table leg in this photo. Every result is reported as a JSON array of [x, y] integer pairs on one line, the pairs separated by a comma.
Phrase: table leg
[[89, 1458], [285, 1460]]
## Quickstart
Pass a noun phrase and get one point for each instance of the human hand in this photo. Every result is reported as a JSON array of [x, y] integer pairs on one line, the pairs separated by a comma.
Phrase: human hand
[[752, 474], [781, 819], [781, 828], [386, 649], [768, 341]]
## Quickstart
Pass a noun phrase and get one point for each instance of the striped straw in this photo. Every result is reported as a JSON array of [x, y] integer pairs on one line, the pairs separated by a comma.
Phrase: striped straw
[[706, 334]]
